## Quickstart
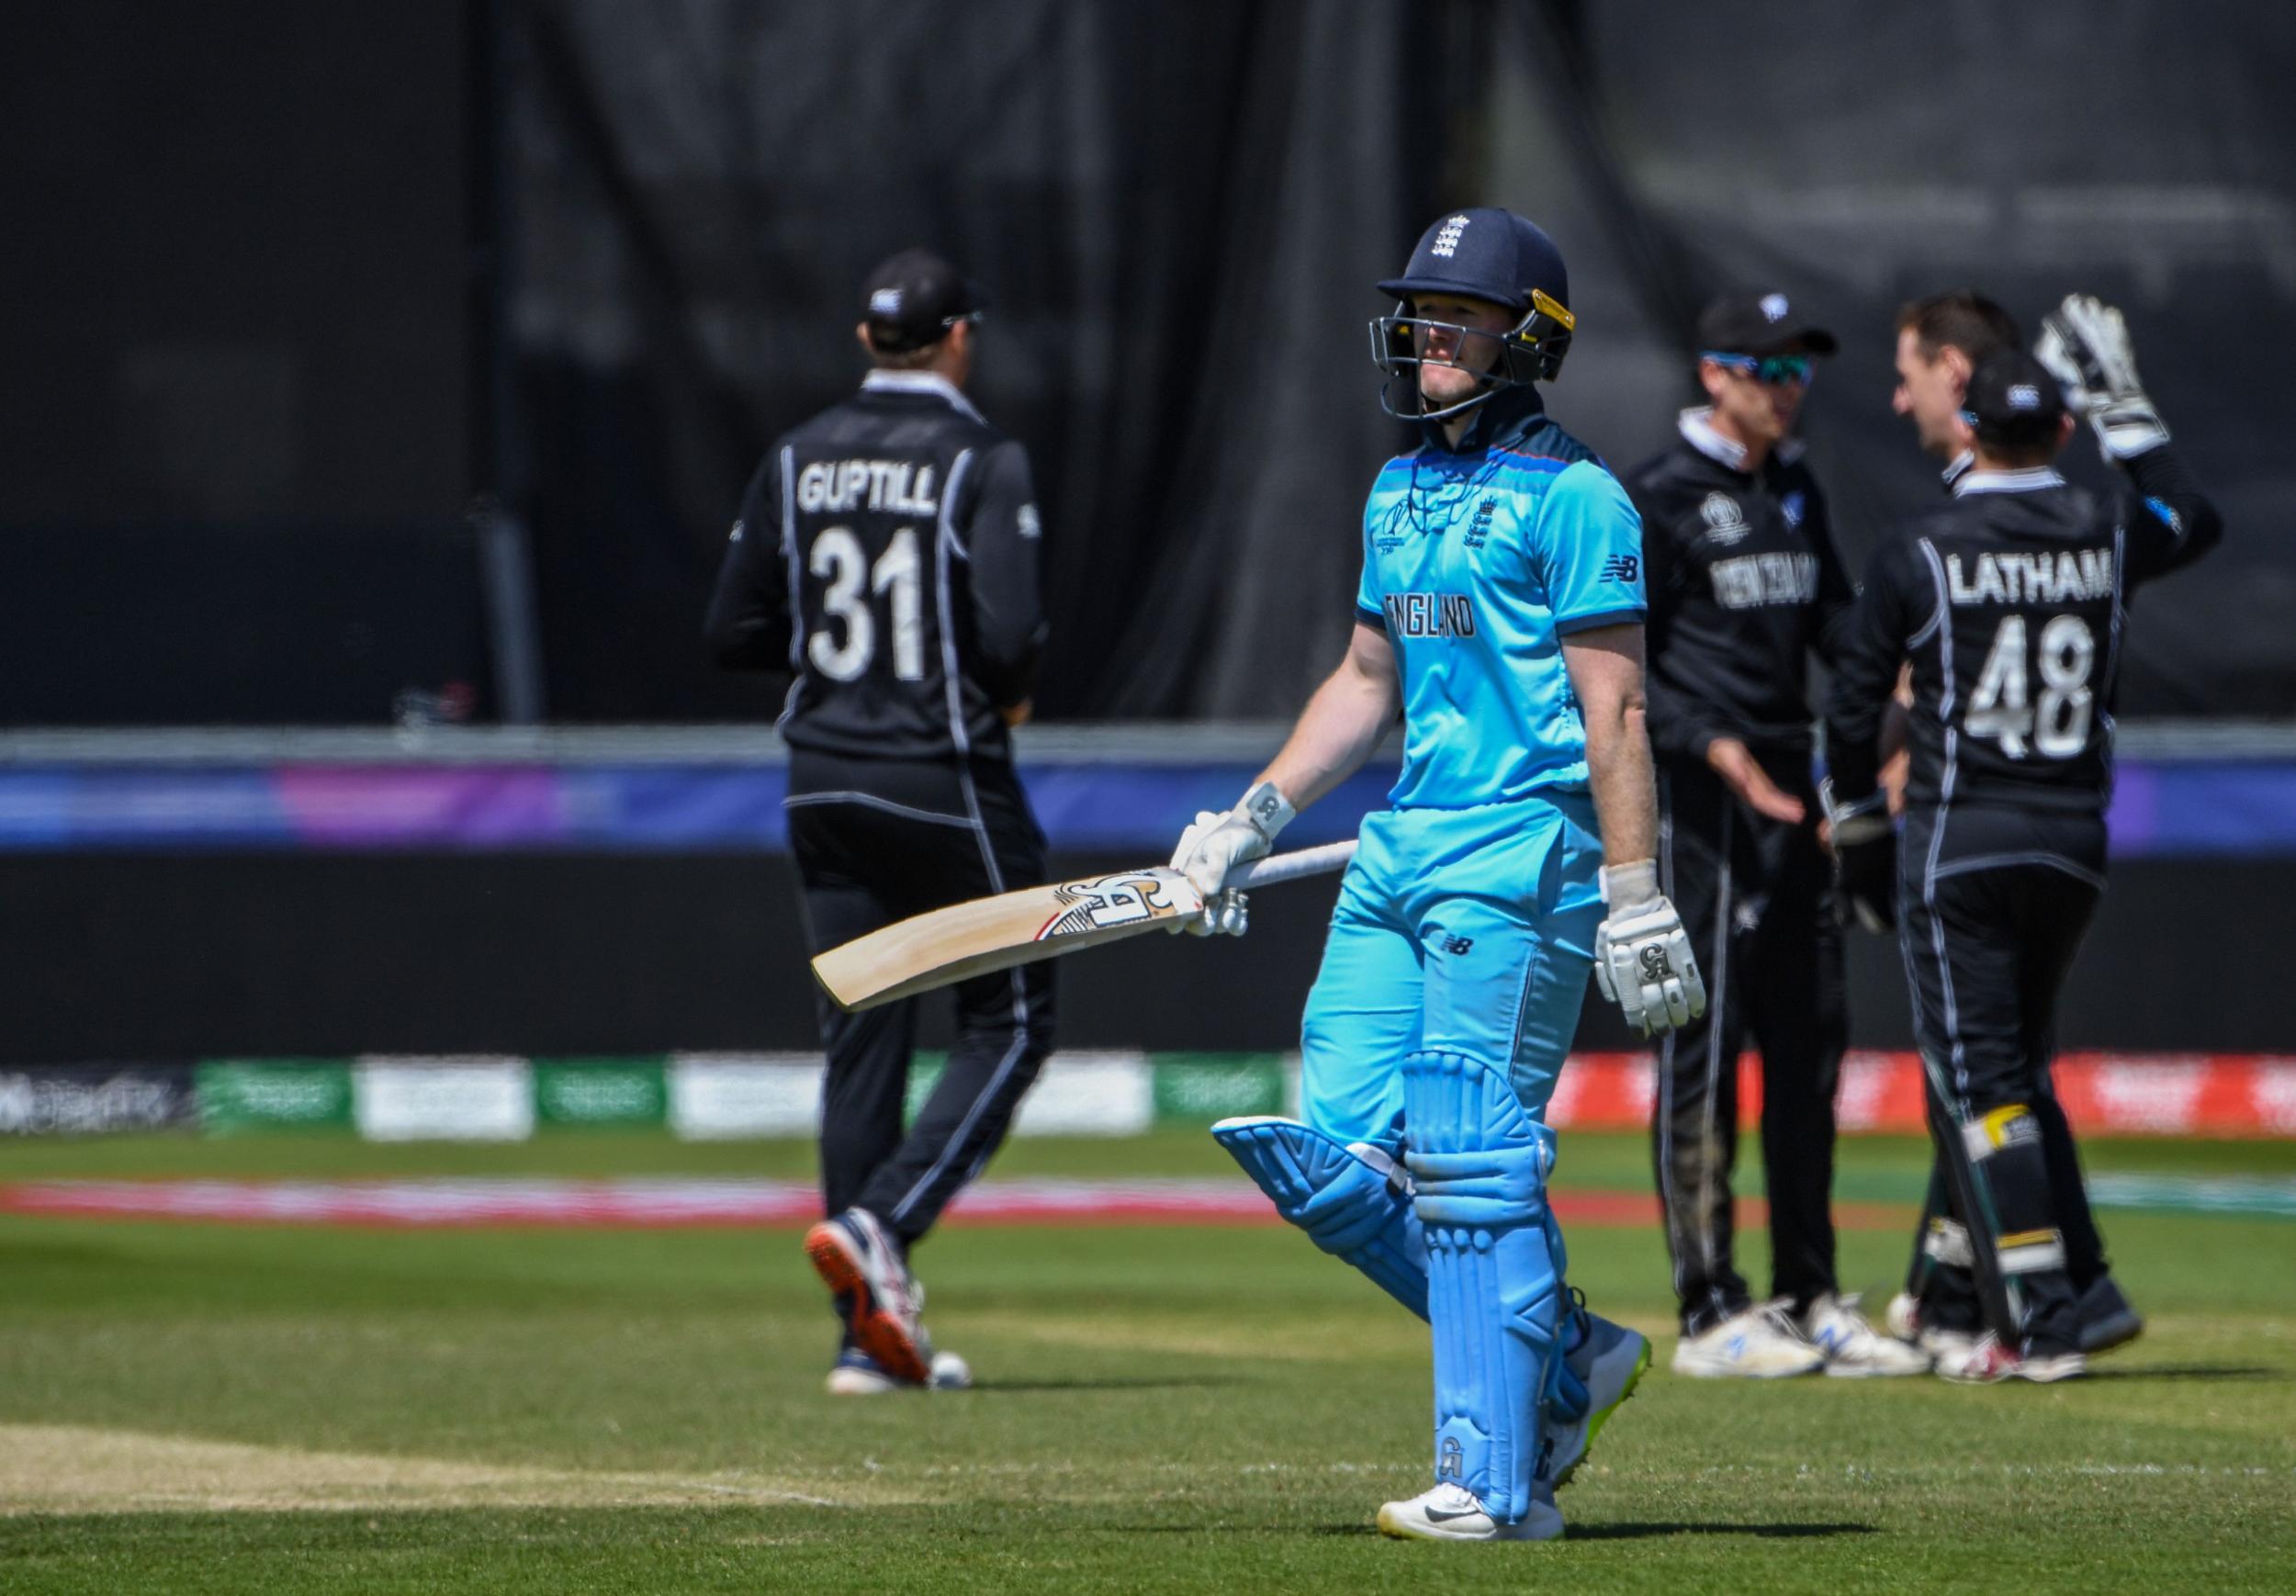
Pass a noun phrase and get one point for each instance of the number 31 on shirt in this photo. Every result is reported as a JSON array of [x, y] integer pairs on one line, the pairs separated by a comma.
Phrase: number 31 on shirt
[[841, 563]]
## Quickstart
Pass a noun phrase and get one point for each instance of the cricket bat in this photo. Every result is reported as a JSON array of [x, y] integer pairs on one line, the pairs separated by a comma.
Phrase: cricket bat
[[946, 946]]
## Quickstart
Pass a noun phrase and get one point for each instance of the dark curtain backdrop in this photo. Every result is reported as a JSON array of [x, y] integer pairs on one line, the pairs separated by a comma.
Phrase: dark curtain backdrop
[[288, 287], [1179, 209], [1176, 211], [2143, 151]]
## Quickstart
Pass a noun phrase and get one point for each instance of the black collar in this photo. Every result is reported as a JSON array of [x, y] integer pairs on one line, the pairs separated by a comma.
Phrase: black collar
[[1505, 418]]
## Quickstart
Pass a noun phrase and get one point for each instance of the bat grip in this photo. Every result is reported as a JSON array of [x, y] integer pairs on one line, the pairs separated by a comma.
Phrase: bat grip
[[1285, 867]]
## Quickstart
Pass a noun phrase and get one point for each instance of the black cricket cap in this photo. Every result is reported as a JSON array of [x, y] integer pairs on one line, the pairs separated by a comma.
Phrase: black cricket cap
[[912, 300], [1753, 321], [2012, 403], [1484, 254]]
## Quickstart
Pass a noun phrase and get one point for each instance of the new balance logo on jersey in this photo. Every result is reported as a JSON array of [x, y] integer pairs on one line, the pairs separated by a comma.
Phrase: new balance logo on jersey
[[1621, 568], [1430, 614], [902, 487], [2068, 576], [1752, 580]]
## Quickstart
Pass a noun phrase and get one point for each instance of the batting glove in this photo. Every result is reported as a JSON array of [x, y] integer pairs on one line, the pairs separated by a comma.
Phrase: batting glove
[[1642, 959], [2085, 344], [1865, 861], [1216, 844]]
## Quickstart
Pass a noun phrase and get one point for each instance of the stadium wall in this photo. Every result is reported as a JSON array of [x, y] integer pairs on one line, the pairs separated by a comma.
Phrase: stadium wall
[[180, 896], [176, 956]]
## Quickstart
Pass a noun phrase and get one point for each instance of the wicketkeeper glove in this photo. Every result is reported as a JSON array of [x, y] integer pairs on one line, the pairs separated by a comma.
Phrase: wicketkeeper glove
[[1216, 844], [1865, 861], [1642, 959], [2085, 344]]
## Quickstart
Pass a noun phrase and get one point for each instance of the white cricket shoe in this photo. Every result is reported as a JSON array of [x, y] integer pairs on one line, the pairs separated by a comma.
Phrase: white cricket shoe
[[1852, 1347], [950, 1372], [1452, 1513], [881, 1302], [1988, 1361], [1902, 1317], [1904, 1320], [857, 1375], [1610, 1360], [1761, 1342]]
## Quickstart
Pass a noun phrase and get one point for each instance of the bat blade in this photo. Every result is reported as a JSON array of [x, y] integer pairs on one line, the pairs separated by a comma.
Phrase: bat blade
[[946, 946]]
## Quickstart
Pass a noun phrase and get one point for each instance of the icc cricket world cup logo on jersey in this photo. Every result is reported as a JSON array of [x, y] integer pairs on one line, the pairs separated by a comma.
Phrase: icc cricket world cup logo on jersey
[[1113, 900]]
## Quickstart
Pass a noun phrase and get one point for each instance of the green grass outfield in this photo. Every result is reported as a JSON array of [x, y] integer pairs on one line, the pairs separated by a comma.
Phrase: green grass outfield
[[197, 1408]]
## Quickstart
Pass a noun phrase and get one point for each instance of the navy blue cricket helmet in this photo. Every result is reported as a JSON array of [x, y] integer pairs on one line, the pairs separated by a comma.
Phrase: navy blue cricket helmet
[[1480, 253]]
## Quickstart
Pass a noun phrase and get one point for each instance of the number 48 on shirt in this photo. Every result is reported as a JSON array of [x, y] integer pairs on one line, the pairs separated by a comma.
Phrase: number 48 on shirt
[[2053, 723]]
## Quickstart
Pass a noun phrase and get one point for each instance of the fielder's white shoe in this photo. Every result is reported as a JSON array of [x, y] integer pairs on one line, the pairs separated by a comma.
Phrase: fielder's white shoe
[[881, 1302], [1452, 1513], [950, 1372], [857, 1375], [1760, 1343], [1852, 1347], [1988, 1360], [1904, 1320], [1610, 1360]]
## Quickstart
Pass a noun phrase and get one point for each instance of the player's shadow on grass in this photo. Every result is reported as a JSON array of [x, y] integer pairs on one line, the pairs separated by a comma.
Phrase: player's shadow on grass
[[1635, 1531], [1638, 1531], [2190, 1372], [1113, 1383]]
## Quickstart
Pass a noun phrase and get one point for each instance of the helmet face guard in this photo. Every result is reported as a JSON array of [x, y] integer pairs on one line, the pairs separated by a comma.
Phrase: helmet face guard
[[1530, 351]]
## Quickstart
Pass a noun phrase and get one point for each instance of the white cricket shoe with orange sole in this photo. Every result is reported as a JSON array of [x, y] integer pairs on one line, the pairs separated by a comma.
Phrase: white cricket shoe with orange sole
[[881, 1302]]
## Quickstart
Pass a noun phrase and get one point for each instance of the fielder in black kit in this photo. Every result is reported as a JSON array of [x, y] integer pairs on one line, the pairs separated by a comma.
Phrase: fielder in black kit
[[2011, 604], [1940, 337], [886, 556], [1744, 586]]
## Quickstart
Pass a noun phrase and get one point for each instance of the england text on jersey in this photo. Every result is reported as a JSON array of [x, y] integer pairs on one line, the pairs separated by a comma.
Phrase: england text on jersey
[[1430, 614]]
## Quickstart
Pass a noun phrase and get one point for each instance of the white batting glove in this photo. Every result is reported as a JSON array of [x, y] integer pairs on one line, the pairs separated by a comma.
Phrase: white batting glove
[[1642, 959], [1217, 843], [2085, 344]]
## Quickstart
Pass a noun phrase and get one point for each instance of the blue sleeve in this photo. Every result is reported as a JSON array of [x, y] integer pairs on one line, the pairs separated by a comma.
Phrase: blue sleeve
[[1369, 607], [1587, 550]]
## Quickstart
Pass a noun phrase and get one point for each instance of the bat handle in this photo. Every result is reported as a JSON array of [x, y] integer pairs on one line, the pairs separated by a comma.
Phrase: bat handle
[[1285, 867]]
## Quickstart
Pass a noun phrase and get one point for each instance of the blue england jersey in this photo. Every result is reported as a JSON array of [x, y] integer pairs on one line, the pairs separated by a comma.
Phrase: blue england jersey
[[1477, 562]]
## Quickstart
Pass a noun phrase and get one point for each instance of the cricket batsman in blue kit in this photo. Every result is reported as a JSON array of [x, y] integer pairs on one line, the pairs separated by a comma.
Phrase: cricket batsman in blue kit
[[1501, 612]]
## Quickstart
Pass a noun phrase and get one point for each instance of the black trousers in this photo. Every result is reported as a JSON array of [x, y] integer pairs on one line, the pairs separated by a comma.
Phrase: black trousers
[[1756, 897], [1993, 903], [876, 841]]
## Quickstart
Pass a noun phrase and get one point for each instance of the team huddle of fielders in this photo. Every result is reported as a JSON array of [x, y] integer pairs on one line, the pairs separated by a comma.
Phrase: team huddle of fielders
[[1609, 761]]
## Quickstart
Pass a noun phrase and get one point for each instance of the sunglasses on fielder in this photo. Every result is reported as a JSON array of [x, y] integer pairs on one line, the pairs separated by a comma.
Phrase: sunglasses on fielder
[[1776, 370]]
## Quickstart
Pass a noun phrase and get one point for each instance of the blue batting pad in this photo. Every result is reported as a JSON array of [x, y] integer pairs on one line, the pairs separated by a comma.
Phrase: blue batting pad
[[1493, 1294], [1346, 1203]]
